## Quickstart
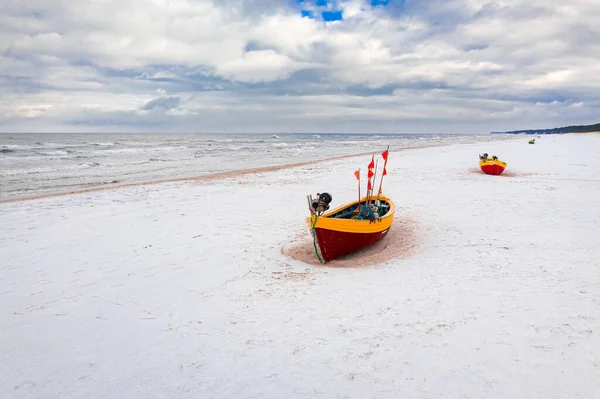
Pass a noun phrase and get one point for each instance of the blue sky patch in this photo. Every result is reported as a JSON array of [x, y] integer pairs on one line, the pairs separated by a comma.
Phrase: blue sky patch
[[307, 14], [321, 3], [329, 16], [375, 3]]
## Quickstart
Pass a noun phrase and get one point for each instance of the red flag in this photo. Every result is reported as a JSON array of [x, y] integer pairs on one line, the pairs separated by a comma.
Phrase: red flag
[[369, 185], [371, 174], [385, 155], [372, 164], [384, 171], [357, 174]]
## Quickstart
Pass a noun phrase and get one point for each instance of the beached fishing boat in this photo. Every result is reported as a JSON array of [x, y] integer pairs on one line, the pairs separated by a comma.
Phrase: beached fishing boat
[[491, 166], [354, 225], [349, 227]]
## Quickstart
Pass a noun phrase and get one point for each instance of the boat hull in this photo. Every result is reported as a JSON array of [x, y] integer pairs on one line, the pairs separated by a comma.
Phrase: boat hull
[[336, 237], [492, 167], [335, 244]]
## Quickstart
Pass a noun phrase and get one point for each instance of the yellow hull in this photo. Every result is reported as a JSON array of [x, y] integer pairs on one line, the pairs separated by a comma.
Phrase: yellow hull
[[353, 225], [491, 162]]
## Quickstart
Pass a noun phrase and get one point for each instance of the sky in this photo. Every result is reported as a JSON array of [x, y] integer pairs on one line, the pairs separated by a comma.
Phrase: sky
[[234, 66]]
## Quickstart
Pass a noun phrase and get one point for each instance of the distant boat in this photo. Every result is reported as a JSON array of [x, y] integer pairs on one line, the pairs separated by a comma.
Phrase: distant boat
[[491, 166], [532, 141], [347, 229]]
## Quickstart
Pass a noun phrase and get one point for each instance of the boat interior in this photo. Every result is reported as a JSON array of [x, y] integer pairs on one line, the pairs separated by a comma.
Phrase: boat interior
[[352, 212]]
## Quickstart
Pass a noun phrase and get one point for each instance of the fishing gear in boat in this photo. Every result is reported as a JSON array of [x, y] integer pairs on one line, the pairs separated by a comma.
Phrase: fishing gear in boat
[[373, 212]]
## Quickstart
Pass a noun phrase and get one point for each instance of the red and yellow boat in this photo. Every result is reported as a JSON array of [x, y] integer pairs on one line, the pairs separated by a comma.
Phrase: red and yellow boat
[[491, 166], [349, 228]]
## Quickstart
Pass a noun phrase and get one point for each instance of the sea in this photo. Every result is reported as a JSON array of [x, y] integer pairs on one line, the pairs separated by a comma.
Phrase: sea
[[38, 164]]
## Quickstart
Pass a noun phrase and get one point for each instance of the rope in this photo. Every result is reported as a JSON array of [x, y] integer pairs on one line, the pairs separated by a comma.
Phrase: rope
[[315, 239], [366, 213]]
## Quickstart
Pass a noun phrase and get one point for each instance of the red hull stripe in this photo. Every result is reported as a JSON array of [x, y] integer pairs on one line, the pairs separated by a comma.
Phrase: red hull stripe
[[333, 244], [492, 169]]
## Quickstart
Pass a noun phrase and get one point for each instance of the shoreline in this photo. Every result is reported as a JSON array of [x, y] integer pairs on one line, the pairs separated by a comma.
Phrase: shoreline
[[220, 175]]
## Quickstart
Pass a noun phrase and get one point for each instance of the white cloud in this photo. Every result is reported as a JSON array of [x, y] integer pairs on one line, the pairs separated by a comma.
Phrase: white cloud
[[258, 66]]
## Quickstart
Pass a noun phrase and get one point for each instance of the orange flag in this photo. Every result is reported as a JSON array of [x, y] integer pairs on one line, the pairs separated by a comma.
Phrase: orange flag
[[357, 174]]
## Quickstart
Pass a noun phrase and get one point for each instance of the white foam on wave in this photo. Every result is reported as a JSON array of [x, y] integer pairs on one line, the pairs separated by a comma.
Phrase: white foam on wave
[[52, 145], [16, 147], [58, 152], [219, 140], [108, 144]]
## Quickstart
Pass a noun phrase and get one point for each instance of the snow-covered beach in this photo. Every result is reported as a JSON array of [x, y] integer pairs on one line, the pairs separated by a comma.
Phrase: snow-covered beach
[[184, 289]]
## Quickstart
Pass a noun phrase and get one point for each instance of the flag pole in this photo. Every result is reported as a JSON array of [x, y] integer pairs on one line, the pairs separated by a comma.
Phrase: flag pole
[[369, 175], [367, 193], [357, 175], [382, 173], [358, 189], [374, 177]]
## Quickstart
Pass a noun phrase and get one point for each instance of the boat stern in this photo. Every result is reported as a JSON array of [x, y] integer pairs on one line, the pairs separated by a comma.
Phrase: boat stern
[[492, 167]]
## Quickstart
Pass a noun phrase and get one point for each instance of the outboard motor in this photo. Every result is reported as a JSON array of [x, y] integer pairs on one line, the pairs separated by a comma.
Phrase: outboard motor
[[325, 197], [321, 204]]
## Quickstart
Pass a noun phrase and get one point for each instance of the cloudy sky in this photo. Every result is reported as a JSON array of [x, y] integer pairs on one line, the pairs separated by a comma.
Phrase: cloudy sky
[[455, 66]]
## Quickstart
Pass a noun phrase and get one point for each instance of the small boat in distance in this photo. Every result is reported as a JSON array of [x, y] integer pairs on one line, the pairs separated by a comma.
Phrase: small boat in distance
[[532, 141], [349, 227], [491, 166]]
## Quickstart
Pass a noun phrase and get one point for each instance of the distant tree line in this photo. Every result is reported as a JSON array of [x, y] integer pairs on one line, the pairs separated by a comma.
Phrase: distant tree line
[[558, 130]]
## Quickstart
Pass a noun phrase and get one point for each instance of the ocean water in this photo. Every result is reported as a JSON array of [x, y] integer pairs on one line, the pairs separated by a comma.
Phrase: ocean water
[[35, 164]]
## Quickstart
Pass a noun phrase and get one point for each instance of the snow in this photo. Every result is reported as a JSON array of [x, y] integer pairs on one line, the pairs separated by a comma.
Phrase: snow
[[181, 290]]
